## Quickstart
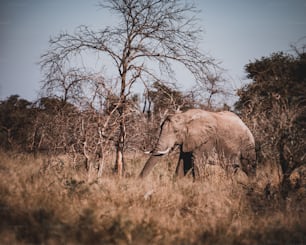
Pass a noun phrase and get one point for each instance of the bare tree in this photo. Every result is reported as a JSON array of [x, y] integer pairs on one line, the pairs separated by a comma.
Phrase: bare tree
[[152, 33]]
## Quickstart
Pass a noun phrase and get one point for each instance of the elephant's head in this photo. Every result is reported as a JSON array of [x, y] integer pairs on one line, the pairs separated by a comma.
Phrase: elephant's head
[[169, 137]]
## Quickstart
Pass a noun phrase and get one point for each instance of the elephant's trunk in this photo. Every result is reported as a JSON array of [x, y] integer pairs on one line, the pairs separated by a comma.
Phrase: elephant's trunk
[[148, 166]]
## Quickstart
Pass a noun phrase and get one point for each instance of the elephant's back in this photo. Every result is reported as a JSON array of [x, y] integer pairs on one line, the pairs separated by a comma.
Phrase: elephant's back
[[194, 114], [225, 122], [231, 124]]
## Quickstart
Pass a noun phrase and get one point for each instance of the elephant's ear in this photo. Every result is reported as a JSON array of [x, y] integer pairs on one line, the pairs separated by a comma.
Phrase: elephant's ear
[[198, 132]]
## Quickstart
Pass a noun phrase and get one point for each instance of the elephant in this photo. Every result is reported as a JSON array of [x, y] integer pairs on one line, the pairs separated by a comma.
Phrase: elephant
[[205, 137]]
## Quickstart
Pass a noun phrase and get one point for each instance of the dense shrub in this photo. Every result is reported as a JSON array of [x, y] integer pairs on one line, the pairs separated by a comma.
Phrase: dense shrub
[[273, 105]]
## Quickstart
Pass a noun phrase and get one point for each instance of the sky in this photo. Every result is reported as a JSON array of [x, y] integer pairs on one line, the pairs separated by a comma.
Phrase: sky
[[236, 33]]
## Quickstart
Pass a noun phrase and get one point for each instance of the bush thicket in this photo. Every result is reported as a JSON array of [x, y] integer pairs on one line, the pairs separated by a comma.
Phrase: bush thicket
[[273, 105]]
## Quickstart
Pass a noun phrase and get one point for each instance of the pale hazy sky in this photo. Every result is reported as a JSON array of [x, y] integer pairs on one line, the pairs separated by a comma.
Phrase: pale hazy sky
[[236, 32]]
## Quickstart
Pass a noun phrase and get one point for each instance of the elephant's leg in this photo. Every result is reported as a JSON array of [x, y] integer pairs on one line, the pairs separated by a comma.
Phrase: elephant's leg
[[202, 163], [184, 164], [180, 168], [195, 165], [248, 162], [196, 172], [188, 162]]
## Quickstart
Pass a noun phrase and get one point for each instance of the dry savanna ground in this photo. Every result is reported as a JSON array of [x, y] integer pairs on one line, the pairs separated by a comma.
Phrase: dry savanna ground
[[53, 201]]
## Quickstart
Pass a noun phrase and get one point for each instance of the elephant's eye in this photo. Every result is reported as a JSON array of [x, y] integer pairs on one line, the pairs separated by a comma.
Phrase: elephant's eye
[[175, 130]]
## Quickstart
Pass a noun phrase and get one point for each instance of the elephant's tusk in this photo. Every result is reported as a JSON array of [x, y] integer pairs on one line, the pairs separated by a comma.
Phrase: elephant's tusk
[[158, 153]]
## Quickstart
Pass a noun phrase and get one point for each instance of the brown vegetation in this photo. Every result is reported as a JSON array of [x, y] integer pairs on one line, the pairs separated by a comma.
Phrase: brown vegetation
[[57, 154], [274, 108], [50, 201], [65, 193]]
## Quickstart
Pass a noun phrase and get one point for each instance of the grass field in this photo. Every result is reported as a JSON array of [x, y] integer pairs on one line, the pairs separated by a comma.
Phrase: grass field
[[51, 201]]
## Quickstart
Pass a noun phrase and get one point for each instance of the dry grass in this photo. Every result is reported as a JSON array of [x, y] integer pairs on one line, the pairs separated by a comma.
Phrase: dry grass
[[50, 201]]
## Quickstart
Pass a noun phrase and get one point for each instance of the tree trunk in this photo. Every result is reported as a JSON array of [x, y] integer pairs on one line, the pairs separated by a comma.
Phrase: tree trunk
[[119, 165]]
